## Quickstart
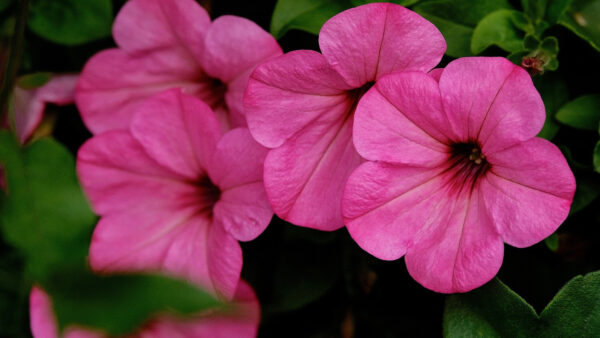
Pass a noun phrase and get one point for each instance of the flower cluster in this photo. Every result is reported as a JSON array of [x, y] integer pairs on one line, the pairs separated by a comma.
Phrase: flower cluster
[[203, 129]]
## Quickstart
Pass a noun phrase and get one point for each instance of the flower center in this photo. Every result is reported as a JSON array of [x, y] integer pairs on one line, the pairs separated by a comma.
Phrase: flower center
[[209, 194], [213, 93], [467, 164]]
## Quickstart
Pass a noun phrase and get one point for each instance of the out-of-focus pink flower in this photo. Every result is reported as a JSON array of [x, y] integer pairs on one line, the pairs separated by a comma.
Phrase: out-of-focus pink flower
[[174, 194], [166, 44], [456, 171], [29, 103], [302, 105], [242, 321]]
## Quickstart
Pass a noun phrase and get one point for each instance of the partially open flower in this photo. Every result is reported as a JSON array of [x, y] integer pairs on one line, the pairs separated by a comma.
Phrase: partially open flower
[[455, 171]]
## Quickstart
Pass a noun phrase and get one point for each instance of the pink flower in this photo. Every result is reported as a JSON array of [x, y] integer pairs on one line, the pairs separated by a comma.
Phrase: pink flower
[[302, 105], [175, 195], [166, 44], [242, 322], [455, 171], [30, 103]]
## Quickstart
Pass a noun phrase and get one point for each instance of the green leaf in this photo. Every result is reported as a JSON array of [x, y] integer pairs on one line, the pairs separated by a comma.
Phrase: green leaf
[[306, 15], [597, 157], [555, 10], [35, 80], [582, 17], [71, 22], [500, 28], [552, 242], [494, 310], [581, 113], [457, 19], [554, 93], [120, 304], [43, 198], [586, 191]]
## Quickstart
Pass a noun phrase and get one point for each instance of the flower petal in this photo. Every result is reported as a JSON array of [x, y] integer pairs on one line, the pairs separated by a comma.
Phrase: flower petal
[[112, 84], [528, 191], [402, 121], [235, 45], [144, 26], [461, 250], [30, 104], [384, 206], [367, 42], [491, 100], [117, 174], [305, 177], [289, 92], [178, 131]]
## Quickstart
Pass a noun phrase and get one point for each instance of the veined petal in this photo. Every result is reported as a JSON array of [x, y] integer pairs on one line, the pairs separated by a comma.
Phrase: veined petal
[[528, 191], [178, 131], [373, 40], [145, 26], [117, 174], [287, 93], [491, 100], [235, 45], [461, 250], [112, 85], [305, 177], [401, 121], [385, 206]]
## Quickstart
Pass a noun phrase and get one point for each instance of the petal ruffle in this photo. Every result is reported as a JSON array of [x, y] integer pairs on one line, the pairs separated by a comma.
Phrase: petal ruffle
[[367, 42], [491, 100], [145, 26], [461, 250], [401, 121], [178, 131], [289, 92], [528, 191], [112, 84], [305, 177]]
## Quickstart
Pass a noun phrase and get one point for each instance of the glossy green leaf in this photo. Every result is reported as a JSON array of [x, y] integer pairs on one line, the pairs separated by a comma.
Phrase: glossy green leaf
[[581, 113], [71, 22], [554, 93], [494, 310], [457, 19], [120, 304], [306, 15], [583, 17], [500, 28]]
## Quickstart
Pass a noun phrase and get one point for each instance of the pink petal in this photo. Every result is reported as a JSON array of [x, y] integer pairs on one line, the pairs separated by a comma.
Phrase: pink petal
[[144, 26], [384, 206], [178, 131], [402, 121], [369, 41], [459, 250], [491, 100], [117, 174], [242, 322], [436, 73], [237, 168], [43, 321], [287, 93], [224, 260], [305, 177], [528, 191], [235, 45], [112, 84], [30, 104]]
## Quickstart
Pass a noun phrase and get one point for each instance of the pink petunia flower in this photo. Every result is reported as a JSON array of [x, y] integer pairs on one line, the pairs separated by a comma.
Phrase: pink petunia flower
[[30, 103], [302, 105], [455, 170], [242, 322], [166, 44], [174, 194]]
